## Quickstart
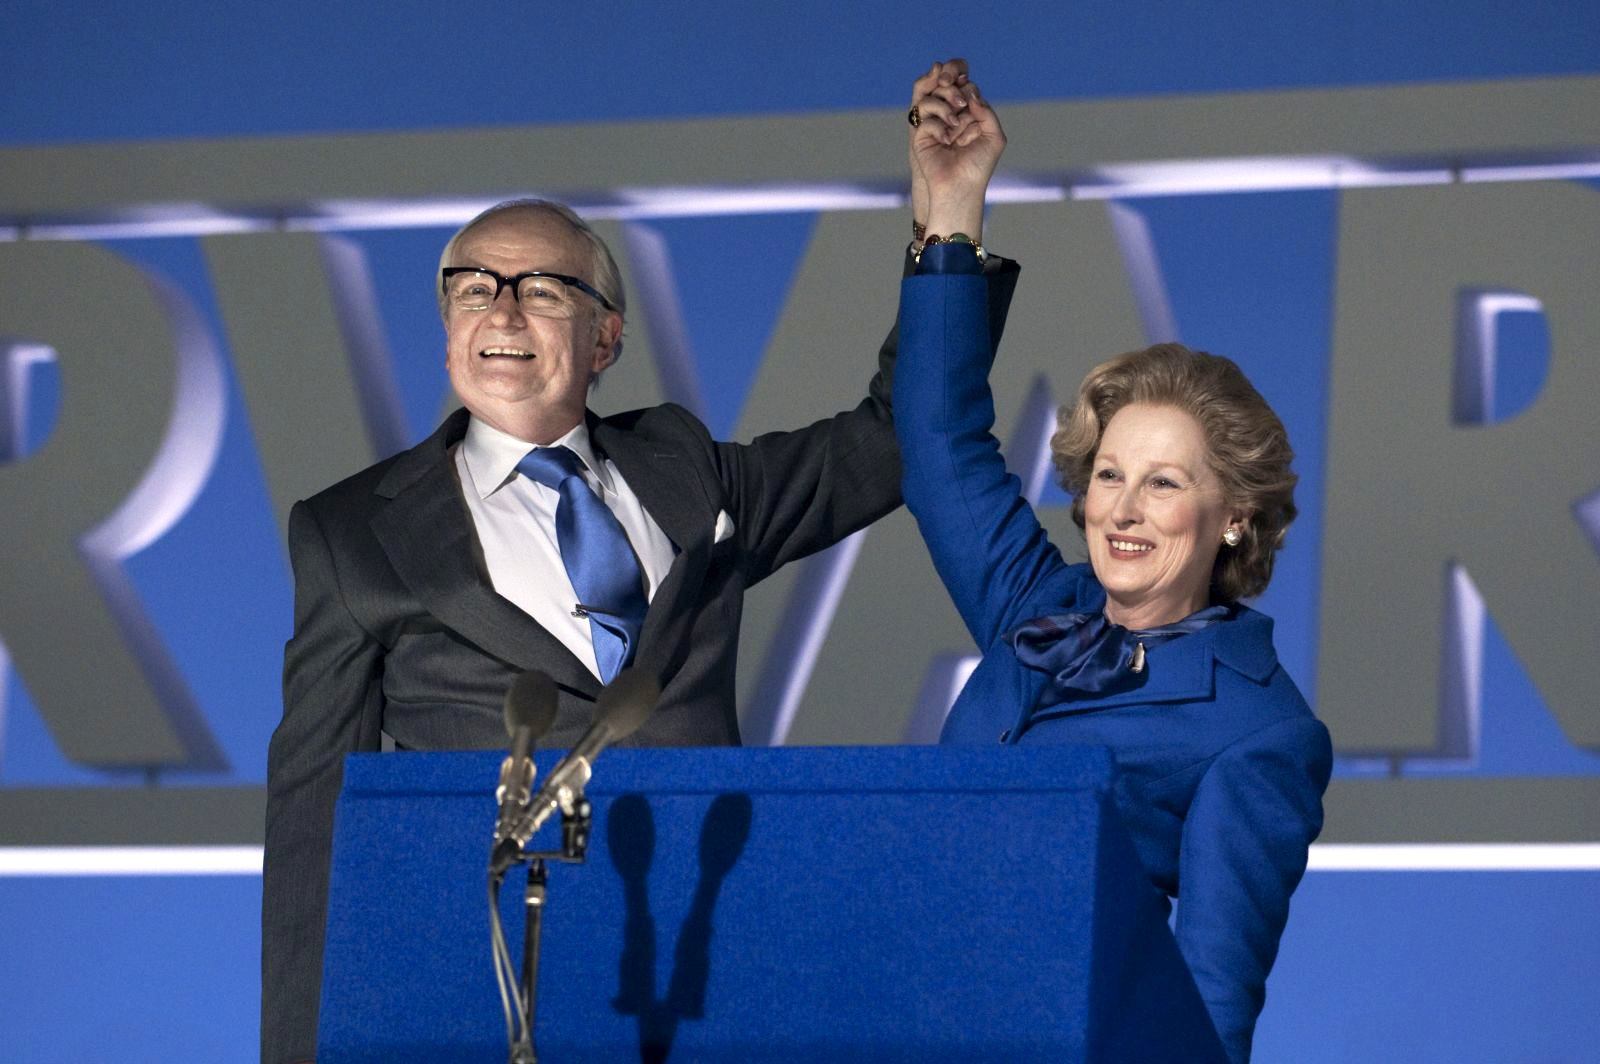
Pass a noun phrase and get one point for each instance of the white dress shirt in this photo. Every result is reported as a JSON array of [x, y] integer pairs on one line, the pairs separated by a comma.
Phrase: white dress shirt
[[516, 522]]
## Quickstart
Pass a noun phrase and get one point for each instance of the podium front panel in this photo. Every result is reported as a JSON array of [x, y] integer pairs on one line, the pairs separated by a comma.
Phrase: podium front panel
[[899, 903]]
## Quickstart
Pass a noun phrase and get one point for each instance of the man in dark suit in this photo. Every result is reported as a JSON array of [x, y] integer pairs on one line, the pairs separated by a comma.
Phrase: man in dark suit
[[426, 583]]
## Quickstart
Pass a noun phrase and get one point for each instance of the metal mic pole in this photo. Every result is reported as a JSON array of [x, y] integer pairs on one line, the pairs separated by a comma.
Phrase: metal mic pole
[[530, 707], [526, 1052], [575, 828]]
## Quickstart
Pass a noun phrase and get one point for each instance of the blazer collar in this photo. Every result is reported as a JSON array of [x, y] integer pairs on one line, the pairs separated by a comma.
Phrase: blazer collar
[[409, 465], [427, 534], [671, 486], [661, 475], [426, 531], [1245, 645], [1183, 670]]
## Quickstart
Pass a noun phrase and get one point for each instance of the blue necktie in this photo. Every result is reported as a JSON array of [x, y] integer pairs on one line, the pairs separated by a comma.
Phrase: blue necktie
[[599, 560]]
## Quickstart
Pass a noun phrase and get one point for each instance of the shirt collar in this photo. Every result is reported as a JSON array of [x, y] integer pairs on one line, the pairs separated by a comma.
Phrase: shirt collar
[[492, 456]]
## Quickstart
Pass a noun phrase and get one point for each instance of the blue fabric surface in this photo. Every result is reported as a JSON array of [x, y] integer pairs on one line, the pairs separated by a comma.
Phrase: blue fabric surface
[[949, 258], [765, 770], [1221, 764], [900, 904]]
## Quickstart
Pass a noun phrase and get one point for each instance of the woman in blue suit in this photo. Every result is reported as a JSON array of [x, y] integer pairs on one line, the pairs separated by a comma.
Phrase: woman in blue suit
[[1181, 483]]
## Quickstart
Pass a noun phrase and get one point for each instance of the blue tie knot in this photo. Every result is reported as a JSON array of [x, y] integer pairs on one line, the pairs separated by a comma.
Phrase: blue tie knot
[[550, 465]]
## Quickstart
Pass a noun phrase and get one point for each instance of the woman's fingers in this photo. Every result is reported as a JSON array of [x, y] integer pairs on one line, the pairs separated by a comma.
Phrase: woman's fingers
[[950, 72]]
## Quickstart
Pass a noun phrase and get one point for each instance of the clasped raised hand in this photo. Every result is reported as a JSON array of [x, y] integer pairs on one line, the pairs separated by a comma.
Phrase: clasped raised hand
[[956, 142]]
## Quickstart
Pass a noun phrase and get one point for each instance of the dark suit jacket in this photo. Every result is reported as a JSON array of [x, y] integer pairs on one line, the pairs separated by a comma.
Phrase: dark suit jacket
[[1221, 766], [398, 630]]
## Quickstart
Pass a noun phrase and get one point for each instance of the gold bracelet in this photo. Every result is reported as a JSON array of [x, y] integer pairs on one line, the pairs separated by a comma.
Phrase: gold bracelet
[[953, 238]]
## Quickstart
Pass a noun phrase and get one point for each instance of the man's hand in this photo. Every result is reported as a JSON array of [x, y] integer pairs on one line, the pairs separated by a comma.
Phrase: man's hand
[[953, 150]]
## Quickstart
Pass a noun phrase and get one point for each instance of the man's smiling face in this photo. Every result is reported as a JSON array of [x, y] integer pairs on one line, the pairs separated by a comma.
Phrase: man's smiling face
[[527, 374]]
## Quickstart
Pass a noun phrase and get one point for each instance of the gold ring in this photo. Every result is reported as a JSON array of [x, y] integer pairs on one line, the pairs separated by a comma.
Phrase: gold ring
[[914, 116]]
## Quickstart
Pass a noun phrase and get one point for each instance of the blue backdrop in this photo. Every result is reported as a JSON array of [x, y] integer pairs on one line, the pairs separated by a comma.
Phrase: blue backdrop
[[1403, 966]]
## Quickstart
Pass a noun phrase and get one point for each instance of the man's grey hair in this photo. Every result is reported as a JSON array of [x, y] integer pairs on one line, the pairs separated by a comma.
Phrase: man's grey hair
[[603, 271]]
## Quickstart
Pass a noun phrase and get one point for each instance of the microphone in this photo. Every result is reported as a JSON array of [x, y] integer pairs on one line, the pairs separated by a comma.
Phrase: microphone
[[530, 707], [623, 705]]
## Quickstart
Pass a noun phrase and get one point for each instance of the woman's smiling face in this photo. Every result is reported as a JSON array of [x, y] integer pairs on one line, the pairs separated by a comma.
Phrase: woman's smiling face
[[1154, 515]]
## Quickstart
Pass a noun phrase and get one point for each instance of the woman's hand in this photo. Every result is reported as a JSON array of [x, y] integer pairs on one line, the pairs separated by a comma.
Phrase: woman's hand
[[954, 149]]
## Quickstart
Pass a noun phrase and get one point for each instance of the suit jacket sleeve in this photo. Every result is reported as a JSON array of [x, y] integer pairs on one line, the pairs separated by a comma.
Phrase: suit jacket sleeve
[[795, 493], [1256, 811], [332, 705], [986, 543]]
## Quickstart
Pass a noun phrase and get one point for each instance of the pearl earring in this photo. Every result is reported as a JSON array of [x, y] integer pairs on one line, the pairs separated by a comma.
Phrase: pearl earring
[[1232, 537]]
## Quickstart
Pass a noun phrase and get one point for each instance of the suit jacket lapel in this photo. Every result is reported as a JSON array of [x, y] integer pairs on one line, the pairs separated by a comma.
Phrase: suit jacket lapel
[[426, 532], [666, 483], [670, 487]]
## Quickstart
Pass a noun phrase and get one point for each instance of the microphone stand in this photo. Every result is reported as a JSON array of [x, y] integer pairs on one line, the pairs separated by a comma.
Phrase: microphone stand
[[620, 709], [575, 825], [533, 903]]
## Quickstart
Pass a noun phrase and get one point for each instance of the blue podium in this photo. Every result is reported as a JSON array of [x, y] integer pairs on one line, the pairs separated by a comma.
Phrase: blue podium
[[882, 904]]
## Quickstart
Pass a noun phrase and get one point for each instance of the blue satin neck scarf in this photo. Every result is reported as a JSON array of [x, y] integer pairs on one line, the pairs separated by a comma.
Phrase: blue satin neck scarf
[[1086, 655], [604, 571]]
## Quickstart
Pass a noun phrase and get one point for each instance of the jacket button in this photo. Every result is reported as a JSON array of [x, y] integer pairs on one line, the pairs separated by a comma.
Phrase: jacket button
[[1005, 735]]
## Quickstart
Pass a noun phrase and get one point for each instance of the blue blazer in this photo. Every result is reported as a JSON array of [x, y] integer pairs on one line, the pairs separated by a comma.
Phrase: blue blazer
[[1221, 764]]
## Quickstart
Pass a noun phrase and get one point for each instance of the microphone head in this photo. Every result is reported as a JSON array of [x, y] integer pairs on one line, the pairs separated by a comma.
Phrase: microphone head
[[530, 703], [626, 701]]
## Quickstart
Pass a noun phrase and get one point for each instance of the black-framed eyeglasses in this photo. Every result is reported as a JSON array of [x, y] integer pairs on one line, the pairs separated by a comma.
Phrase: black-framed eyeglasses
[[536, 292]]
